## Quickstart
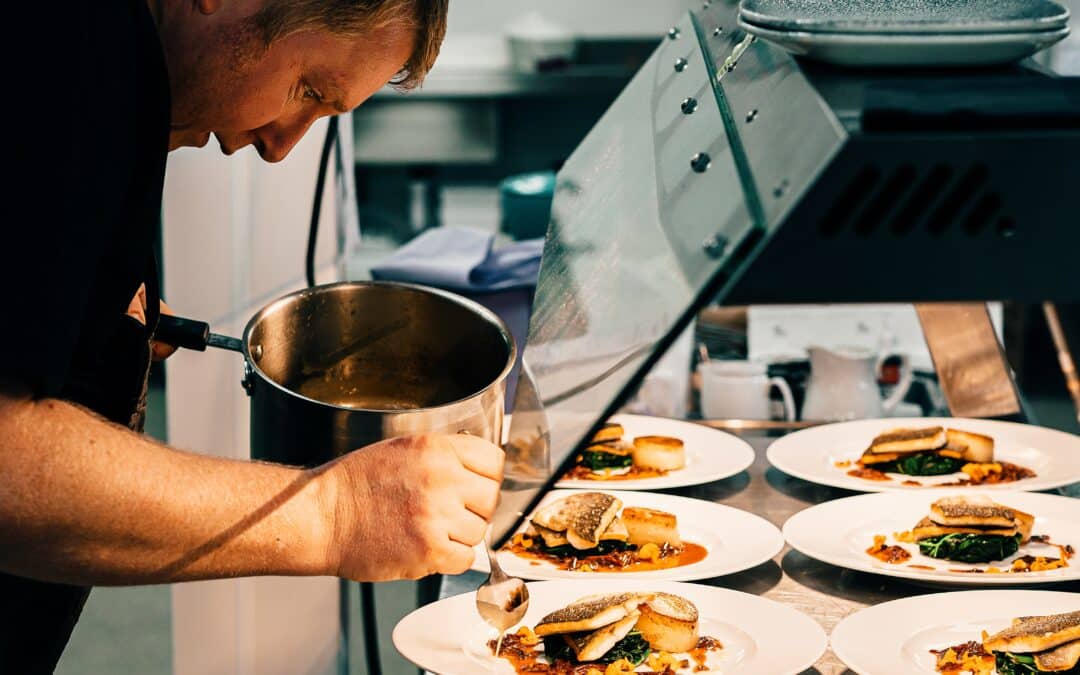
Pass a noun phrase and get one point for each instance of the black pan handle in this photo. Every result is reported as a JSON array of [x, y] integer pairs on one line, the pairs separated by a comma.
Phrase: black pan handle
[[192, 334]]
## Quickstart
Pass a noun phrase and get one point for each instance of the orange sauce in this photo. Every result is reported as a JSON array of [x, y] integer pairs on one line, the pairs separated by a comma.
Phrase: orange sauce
[[894, 555], [620, 561], [581, 472], [922, 567], [868, 473], [700, 652]]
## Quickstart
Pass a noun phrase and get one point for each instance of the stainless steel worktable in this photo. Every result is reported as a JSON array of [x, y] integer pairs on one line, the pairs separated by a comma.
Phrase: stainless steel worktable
[[824, 592]]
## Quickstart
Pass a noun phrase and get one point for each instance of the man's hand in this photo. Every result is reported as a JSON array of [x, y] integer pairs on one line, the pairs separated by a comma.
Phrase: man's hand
[[159, 351], [409, 507]]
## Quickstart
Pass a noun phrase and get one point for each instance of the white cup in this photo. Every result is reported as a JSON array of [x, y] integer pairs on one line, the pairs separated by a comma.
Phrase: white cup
[[740, 390]]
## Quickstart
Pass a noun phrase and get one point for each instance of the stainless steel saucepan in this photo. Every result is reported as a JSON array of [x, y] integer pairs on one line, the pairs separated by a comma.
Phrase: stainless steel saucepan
[[334, 368]]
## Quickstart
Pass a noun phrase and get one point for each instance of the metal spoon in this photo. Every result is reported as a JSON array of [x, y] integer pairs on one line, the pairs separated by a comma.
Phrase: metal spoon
[[501, 600]]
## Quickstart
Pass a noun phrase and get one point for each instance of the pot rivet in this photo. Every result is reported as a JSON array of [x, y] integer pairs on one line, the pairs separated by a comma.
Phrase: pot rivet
[[256, 352]]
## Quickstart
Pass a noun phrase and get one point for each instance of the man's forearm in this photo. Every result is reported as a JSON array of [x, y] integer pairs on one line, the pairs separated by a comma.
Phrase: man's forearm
[[88, 502]]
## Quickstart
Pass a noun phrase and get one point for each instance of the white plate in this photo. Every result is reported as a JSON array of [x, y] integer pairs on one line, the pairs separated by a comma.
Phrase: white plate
[[895, 638], [840, 531], [905, 16], [941, 49], [734, 539], [759, 635], [710, 455], [811, 454]]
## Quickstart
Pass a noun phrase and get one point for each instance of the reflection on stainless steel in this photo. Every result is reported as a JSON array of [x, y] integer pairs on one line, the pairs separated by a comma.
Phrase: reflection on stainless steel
[[970, 363], [758, 425], [408, 360]]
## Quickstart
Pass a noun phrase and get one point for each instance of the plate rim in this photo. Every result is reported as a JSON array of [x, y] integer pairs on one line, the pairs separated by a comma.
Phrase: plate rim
[[845, 624], [809, 624], [687, 575], [972, 580], [688, 481], [778, 445]]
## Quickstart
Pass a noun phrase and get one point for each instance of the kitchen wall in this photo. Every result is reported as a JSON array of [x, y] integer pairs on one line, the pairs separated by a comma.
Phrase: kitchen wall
[[591, 18]]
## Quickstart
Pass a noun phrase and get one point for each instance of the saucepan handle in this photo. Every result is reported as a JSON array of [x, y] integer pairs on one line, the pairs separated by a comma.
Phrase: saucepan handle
[[192, 334]]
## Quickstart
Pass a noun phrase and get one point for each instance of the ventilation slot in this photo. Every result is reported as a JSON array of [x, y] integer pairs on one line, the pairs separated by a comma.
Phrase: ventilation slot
[[929, 189], [984, 210], [849, 201], [878, 209], [958, 198]]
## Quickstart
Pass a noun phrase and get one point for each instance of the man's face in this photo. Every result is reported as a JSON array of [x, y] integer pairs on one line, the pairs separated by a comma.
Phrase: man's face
[[224, 81]]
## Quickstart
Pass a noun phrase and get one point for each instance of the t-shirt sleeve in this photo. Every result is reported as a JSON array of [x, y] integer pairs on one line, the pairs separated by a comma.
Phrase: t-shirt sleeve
[[55, 228]]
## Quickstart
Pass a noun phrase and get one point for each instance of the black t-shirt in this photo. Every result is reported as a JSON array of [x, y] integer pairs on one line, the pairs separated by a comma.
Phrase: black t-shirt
[[91, 97]]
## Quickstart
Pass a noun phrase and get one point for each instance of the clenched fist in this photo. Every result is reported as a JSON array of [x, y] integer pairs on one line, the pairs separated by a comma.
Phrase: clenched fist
[[408, 507]]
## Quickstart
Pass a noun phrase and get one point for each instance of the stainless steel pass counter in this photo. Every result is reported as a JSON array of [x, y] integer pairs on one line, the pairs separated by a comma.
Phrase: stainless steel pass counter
[[824, 592]]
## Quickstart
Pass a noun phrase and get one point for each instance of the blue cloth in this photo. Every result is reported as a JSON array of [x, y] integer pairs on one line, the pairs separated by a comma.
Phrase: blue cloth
[[463, 259]]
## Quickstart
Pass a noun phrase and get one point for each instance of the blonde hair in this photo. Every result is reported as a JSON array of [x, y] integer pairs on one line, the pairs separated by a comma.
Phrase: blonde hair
[[352, 18]]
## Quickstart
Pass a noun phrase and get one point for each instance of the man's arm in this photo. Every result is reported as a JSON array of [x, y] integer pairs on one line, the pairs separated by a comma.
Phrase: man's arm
[[86, 501]]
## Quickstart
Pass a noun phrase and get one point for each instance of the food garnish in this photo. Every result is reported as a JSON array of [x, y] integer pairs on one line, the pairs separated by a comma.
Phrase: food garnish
[[586, 532], [973, 529], [612, 634], [935, 451], [610, 457], [1031, 645]]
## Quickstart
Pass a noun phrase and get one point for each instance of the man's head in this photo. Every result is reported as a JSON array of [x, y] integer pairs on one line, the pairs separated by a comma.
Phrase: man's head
[[260, 72]]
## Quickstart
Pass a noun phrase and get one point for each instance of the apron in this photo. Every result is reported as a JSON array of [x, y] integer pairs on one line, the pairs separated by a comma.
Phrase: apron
[[111, 379]]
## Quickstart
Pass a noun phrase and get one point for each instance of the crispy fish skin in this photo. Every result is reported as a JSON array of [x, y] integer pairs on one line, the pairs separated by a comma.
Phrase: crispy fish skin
[[591, 520], [1036, 634], [927, 528], [560, 514], [591, 646], [969, 511], [909, 440], [590, 613], [1063, 657]]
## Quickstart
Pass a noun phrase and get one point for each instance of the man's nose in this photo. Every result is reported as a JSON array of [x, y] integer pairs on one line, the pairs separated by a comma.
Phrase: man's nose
[[277, 140]]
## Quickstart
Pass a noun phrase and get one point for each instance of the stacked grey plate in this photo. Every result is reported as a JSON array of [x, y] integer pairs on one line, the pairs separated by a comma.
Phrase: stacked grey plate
[[873, 33]]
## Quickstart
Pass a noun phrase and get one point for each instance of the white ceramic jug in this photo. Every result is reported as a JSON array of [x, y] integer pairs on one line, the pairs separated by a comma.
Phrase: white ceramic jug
[[844, 384]]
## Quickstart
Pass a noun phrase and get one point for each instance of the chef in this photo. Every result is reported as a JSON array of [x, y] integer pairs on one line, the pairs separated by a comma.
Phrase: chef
[[100, 92]]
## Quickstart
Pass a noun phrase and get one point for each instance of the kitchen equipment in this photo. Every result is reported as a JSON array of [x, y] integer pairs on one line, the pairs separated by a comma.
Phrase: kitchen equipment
[[906, 16], [538, 44], [525, 204], [729, 171], [501, 600], [935, 50], [844, 384], [740, 390], [334, 368], [868, 33]]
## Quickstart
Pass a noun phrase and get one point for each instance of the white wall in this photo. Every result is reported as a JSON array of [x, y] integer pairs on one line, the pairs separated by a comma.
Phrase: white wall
[[235, 231], [594, 18]]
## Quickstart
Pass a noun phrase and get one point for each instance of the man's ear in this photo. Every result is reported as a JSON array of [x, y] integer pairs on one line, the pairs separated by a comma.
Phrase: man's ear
[[209, 7]]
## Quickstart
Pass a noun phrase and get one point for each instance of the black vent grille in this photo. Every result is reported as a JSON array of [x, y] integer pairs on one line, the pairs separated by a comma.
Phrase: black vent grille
[[906, 200]]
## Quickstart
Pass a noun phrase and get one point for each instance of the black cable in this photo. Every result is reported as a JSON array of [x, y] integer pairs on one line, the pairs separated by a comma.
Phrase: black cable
[[316, 206]]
